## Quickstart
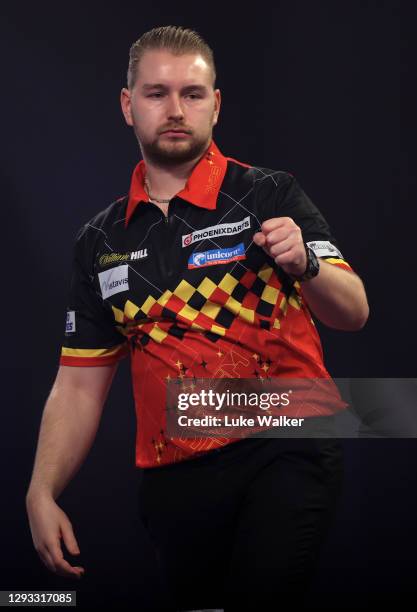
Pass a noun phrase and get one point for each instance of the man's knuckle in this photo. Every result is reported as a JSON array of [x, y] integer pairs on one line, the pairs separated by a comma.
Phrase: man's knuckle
[[42, 550], [50, 565], [61, 568]]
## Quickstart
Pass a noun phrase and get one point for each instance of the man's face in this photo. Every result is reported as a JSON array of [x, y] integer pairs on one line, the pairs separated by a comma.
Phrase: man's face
[[172, 92]]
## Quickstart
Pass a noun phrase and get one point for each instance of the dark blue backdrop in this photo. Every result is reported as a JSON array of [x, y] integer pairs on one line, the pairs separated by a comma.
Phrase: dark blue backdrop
[[323, 90]]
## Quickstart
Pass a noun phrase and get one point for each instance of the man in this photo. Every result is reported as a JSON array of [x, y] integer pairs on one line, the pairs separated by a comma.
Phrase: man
[[203, 270]]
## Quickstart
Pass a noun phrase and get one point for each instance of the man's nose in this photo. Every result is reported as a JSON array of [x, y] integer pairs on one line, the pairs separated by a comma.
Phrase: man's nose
[[174, 106]]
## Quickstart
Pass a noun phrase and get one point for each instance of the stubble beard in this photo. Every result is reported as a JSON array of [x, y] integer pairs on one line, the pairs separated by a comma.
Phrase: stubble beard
[[173, 153]]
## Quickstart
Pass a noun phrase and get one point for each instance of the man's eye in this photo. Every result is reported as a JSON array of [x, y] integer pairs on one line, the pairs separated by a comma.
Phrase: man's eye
[[159, 94]]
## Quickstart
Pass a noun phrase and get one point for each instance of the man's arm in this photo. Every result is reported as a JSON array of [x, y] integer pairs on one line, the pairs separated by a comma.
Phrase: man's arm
[[69, 425], [336, 297]]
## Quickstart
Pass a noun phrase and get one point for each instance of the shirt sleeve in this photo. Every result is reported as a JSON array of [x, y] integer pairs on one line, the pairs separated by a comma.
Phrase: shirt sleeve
[[316, 232], [91, 337]]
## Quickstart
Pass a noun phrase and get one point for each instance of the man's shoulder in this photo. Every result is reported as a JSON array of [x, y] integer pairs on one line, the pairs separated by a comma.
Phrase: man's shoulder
[[264, 181], [106, 219], [256, 173]]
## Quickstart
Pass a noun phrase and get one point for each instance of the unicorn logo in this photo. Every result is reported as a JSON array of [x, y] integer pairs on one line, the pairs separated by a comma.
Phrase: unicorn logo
[[199, 259]]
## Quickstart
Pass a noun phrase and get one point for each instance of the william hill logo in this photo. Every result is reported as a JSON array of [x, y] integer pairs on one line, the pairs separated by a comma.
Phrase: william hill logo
[[110, 258]]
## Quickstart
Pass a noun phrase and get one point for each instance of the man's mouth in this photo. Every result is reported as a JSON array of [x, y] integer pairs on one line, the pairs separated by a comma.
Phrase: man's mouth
[[176, 132]]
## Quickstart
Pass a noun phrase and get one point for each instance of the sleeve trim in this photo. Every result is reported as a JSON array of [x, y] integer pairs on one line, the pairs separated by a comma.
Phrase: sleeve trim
[[338, 262], [93, 357]]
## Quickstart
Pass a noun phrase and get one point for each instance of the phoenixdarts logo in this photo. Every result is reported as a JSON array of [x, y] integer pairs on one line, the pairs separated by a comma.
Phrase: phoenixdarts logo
[[216, 256], [223, 229]]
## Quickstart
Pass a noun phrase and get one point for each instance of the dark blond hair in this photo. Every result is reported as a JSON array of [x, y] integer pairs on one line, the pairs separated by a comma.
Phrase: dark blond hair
[[175, 39]]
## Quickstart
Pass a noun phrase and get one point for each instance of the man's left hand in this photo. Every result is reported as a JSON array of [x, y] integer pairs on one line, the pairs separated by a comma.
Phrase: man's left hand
[[282, 240]]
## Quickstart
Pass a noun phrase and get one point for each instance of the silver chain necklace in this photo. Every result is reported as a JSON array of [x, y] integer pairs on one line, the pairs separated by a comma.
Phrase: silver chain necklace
[[151, 197]]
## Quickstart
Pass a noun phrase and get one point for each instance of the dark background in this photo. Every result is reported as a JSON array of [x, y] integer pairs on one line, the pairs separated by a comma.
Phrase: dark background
[[325, 90]]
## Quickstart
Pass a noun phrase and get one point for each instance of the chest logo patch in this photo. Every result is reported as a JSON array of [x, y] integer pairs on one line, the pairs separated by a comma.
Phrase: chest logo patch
[[112, 258], [216, 256], [224, 229], [113, 281]]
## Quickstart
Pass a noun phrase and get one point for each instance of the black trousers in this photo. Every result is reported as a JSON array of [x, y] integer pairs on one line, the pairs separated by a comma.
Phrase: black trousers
[[241, 528]]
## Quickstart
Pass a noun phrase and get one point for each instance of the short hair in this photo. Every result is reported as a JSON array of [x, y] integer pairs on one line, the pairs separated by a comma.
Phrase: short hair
[[175, 39]]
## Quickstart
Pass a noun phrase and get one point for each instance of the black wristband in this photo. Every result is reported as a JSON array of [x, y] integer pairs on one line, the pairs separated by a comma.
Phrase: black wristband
[[312, 268]]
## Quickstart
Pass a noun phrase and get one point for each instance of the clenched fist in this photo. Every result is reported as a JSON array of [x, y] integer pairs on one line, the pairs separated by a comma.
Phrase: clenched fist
[[282, 240]]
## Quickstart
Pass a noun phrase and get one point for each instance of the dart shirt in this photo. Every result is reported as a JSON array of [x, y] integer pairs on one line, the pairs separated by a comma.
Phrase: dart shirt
[[189, 295]]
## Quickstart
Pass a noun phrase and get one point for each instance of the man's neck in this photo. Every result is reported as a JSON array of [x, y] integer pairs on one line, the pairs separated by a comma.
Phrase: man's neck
[[165, 183]]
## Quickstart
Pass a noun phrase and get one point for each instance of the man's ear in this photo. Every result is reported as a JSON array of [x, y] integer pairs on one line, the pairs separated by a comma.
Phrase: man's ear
[[126, 104], [218, 99]]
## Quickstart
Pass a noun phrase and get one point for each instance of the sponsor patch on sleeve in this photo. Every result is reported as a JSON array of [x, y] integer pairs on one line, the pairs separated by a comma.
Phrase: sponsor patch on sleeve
[[70, 323], [324, 248]]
